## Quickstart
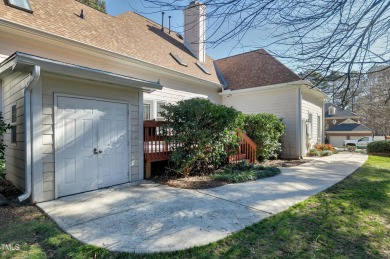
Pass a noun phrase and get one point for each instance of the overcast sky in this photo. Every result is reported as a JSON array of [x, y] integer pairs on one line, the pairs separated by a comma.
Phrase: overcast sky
[[115, 7]]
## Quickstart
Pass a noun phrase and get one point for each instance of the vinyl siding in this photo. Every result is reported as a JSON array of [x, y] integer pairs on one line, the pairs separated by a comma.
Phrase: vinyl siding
[[13, 93], [281, 103], [311, 105], [56, 84]]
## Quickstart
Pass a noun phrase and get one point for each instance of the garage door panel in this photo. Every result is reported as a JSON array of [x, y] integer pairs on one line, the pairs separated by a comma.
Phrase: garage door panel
[[84, 125], [337, 141]]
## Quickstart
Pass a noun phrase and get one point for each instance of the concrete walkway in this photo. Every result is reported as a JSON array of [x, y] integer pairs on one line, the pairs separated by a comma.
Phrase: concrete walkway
[[147, 217]]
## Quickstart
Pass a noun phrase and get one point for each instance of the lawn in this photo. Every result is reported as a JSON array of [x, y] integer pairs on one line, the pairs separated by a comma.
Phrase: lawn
[[351, 219]]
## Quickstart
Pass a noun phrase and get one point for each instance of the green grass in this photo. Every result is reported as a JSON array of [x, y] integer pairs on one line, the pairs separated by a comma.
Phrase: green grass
[[349, 220], [243, 172]]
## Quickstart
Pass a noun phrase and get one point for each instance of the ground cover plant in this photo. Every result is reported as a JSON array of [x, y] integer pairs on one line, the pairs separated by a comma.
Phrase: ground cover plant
[[349, 220], [243, 172]]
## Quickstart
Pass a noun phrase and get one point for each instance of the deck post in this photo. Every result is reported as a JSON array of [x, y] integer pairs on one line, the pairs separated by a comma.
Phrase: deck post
[[148, 170]]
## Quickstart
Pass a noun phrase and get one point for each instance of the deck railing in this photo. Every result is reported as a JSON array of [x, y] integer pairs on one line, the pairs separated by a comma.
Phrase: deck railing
[[155, 145], [246, 150], [156, 148]]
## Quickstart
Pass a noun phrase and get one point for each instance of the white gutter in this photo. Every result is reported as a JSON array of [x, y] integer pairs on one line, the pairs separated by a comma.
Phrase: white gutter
[[300, 146], [28, 131]]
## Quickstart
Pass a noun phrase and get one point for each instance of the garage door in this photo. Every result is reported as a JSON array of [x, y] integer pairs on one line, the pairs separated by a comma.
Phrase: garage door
[[337, 141], [92, 149]]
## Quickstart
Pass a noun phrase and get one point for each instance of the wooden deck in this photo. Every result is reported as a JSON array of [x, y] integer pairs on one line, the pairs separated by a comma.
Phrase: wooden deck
[[156, 148]]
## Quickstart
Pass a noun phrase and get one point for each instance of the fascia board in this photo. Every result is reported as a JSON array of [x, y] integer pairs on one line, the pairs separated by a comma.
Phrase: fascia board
[[52, 66]]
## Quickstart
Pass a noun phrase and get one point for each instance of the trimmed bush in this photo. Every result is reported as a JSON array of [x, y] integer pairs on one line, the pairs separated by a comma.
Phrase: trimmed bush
[[379, 147], [266, 130], [243, 172], [326, 153], [3, 128], [322, 147], [206, 133], [313, 152]]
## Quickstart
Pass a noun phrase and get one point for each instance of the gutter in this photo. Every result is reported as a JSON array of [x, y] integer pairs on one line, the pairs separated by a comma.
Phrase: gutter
[[28, 131], [299, 95]]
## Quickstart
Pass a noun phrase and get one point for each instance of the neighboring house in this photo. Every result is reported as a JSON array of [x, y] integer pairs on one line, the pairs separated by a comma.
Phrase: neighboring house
[[341, 124], [77, 84]]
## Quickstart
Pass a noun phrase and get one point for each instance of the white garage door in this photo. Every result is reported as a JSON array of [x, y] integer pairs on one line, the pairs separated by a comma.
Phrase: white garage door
[[337, 141], [91, 145]]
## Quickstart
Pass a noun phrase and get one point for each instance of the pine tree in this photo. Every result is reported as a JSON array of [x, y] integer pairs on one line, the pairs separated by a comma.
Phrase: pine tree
[[99, 5]]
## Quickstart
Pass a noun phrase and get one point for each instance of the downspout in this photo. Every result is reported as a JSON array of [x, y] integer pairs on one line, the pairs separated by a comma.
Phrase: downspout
[[36, 73], [300, 122]]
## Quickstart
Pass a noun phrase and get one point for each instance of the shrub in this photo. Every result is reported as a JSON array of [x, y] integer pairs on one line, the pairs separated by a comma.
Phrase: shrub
[[266, 130], [379, 147], [243, 172], [326, 153], [205, 131], [313, 152], [3, 128], [322, 147], [351, 148]]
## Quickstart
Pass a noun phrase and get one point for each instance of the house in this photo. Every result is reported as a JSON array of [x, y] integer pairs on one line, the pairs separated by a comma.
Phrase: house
[[77, 85], [341, 124]]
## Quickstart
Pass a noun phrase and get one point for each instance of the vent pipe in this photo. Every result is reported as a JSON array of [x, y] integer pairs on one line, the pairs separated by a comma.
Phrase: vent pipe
[[162, 21], [169, 24]]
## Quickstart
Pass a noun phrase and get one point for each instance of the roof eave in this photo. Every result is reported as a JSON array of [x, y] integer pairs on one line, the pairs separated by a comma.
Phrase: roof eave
[[143, 63], [294, 84], [25, 62]]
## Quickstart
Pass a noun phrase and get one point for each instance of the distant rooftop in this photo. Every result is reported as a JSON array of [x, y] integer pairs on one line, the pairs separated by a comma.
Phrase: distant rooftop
[[339, 112]]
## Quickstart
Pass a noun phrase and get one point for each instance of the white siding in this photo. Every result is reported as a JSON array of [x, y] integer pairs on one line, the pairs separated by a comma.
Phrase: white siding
[[13, 93], [312, 105], [56, 84], [281, 103]]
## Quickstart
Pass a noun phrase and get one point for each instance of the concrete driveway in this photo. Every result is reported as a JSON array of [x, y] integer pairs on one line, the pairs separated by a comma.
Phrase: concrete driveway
[[147, 217]]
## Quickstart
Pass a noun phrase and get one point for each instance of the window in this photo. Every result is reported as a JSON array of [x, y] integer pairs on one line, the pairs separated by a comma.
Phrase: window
[[13, 114], [146, 111], [13, 124], [20, 4], [310, 125], [319, 139], [178, 59], [159, 110], [203, 68]]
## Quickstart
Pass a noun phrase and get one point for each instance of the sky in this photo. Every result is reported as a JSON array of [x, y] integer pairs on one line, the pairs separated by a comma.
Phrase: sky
[[115, 7]]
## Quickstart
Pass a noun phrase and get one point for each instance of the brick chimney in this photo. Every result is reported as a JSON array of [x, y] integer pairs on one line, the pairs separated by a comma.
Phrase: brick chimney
[[195, 29]]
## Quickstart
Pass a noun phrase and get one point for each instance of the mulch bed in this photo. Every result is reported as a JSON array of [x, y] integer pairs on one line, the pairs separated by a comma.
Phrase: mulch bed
[[206, 182], [15, 210]]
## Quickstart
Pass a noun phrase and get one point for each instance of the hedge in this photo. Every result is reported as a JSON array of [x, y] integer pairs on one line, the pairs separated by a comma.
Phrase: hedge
[[379, 147]]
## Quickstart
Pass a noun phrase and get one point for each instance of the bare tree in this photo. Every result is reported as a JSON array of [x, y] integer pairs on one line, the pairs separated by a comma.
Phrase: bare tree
[[348, 36], [374, 103]]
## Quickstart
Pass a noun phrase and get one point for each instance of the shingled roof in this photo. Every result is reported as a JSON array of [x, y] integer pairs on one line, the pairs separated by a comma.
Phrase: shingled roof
[[254, 69], [339, 112], [129, 34], [349, 127]]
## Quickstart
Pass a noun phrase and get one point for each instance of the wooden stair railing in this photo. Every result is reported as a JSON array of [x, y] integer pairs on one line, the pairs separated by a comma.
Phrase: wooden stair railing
[[246, 151], [156, 148]]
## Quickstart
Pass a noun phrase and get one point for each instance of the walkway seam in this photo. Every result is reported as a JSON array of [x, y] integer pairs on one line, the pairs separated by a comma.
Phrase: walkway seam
[[237, 203]]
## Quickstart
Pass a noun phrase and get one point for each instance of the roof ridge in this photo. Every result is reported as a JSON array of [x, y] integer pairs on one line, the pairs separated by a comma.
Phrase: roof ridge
[[239, 54]]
